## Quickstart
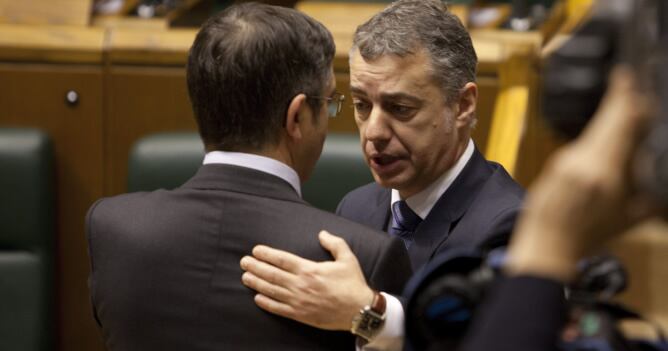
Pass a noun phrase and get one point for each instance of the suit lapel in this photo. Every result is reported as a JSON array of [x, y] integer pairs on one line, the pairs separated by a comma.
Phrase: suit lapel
[[379, 215], [441, 221]]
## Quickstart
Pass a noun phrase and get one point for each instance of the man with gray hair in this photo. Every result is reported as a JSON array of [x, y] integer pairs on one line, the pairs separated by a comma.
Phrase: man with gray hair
[[412, 76]]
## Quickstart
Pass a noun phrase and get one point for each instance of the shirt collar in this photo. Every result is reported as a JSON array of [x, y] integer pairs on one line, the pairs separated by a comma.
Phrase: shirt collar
[[422, 202], [256, 162]]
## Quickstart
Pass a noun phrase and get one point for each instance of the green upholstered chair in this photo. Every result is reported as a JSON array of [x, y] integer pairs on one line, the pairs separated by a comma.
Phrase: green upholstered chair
[[26, 240], [340, 169], [164, 161], [167, 160]]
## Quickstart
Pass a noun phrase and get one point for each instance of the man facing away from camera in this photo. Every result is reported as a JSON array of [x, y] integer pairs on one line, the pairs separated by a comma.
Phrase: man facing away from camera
[[165, 264], [412, 77]]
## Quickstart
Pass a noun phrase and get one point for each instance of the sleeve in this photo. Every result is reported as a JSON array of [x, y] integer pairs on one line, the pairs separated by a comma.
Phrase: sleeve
[[524, 313], [341, 205]]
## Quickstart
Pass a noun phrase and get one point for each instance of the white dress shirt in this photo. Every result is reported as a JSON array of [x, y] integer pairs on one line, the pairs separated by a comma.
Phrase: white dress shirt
[[256, 162], [391, 336]]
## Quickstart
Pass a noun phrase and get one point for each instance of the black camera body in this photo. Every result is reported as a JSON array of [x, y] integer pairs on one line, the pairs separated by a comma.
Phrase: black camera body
[[575, 77], [443, 298]]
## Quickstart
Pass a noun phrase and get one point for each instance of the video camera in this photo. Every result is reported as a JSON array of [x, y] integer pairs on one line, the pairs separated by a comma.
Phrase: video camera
[[444, 296], [575, 76]]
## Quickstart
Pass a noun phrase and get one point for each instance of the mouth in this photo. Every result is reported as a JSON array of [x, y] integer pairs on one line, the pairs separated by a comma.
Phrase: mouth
[[383, 160], [384, 164]]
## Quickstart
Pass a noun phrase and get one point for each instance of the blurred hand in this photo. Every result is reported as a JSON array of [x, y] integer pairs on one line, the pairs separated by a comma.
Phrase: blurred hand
[[585, 194], [325, 295]]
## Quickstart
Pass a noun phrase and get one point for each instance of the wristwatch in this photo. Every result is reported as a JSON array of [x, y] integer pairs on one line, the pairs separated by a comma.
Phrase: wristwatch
[[371, 318]]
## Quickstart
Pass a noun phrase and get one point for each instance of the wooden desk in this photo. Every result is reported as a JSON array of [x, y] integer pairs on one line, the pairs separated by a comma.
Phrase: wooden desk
[[52, 44], [51, 12]]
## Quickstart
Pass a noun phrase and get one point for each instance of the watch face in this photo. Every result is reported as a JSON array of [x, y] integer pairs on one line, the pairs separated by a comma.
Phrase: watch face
[[367, 323]]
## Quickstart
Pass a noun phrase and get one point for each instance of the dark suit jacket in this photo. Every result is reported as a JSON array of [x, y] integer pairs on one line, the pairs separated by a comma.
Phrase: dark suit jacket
[[478, 209], [165, 269]]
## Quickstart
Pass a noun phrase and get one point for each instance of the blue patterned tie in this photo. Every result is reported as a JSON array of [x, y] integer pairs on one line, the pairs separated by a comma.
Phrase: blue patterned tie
[[404, 222]]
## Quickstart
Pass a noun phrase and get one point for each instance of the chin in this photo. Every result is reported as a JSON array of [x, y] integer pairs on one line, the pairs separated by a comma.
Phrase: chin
[[390, 183]]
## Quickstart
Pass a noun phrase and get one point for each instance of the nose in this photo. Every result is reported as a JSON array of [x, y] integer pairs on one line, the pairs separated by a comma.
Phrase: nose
[[377, 129]]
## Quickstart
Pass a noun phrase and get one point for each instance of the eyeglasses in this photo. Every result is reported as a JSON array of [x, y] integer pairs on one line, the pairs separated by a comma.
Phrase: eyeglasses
[[334, 103]]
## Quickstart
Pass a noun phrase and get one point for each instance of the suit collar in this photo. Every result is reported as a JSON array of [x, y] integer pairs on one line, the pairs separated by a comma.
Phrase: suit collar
[[378, 215], [242, 180], [449, 208], [257, 162], [422, 202], [457, 199]]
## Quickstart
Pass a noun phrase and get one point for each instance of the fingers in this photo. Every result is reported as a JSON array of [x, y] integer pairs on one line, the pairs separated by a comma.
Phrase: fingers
[[279, 258], [266, 288], [621, 120], [335, 245], [266, 271], [276, 307]]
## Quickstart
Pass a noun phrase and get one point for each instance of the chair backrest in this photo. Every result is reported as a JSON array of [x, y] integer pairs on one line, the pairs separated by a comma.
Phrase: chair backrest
[[27, 230], [167, 160], [164, 161], [340, 169]]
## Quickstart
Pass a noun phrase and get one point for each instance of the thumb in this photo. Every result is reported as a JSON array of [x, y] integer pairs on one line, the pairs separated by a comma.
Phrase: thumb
[[335, 245]]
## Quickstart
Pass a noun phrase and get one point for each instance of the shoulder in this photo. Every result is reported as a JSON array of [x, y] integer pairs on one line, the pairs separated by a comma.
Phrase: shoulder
[[115, 206], [500, 179], [353, 232], [361, 197], [114, 218], [383, 259], [491, 216], [363, 240], [500, 193]]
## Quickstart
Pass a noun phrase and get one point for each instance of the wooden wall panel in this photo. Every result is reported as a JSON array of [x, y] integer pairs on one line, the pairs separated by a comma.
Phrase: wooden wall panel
[[33, 95], [539, 140], [488, 88], [643, 252], [139, 101]]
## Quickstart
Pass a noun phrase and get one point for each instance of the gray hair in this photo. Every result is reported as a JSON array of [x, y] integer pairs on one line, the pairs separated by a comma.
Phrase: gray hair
[[407, 26]]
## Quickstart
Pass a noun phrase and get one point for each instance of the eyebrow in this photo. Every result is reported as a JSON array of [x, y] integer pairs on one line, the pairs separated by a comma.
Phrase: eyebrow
[[401, 97], [357, 91], [390, 96]]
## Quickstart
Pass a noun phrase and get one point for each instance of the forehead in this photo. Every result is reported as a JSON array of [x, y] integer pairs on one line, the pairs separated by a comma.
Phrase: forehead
[[392, 74]]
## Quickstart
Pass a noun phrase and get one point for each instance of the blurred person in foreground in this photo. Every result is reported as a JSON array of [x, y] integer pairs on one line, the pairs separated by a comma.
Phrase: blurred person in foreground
[[584, 197], [165, 264]]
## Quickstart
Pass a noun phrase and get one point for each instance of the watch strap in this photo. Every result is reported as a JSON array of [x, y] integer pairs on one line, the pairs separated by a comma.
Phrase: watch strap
[[378, 304], [371, 318]]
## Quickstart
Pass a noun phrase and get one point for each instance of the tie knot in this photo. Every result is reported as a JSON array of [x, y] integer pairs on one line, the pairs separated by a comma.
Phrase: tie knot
[[404, 217]]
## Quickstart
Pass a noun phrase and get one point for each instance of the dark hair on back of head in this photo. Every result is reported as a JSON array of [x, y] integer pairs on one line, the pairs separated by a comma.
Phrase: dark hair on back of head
[[246, 65]]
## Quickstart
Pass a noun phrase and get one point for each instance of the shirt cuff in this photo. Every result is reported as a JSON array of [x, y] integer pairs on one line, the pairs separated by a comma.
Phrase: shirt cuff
[[391, 335]]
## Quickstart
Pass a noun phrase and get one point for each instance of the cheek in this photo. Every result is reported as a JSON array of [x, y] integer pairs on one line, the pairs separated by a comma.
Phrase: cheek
[[361, 127], [427, 144]]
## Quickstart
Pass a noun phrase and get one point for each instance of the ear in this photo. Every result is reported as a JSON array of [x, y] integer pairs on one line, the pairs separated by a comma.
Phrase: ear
[[466, 105], [292, 117]]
